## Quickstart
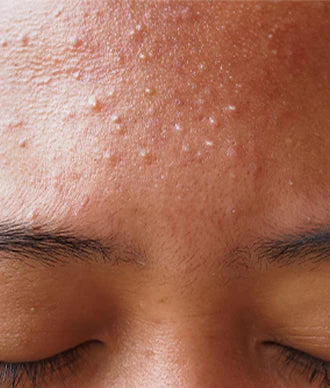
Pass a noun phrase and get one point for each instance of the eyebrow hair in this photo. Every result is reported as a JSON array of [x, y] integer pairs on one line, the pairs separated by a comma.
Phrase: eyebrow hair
[[311, 246], [50, 245]]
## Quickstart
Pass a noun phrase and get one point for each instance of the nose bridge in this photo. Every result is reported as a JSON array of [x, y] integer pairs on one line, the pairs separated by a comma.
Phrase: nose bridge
[[184, 354]]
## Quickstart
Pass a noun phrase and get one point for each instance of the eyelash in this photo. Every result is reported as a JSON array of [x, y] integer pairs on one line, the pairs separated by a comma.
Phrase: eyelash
[[37, 372], [313, 369]]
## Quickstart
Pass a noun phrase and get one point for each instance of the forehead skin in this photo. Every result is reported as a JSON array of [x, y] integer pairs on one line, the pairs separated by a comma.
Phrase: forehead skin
[[187, 126]]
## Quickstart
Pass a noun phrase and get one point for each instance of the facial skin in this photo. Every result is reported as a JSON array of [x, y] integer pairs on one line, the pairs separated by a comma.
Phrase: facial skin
[[185, 133]]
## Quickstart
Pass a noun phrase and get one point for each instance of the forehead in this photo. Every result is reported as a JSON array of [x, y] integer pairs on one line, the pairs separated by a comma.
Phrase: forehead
[[197, 106]]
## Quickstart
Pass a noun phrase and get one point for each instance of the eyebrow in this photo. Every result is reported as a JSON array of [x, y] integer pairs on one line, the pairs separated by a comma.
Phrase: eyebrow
[[50, 245], [311, 246]]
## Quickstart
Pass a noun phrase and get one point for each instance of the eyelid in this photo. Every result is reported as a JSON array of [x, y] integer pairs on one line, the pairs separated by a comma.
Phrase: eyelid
[[37, 372], [314, 369], [301, 350], [302, 365], [316, 341]]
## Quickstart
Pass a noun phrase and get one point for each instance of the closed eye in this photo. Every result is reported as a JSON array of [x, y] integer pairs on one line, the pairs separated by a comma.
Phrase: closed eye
[[38, 373], [314, 370]]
